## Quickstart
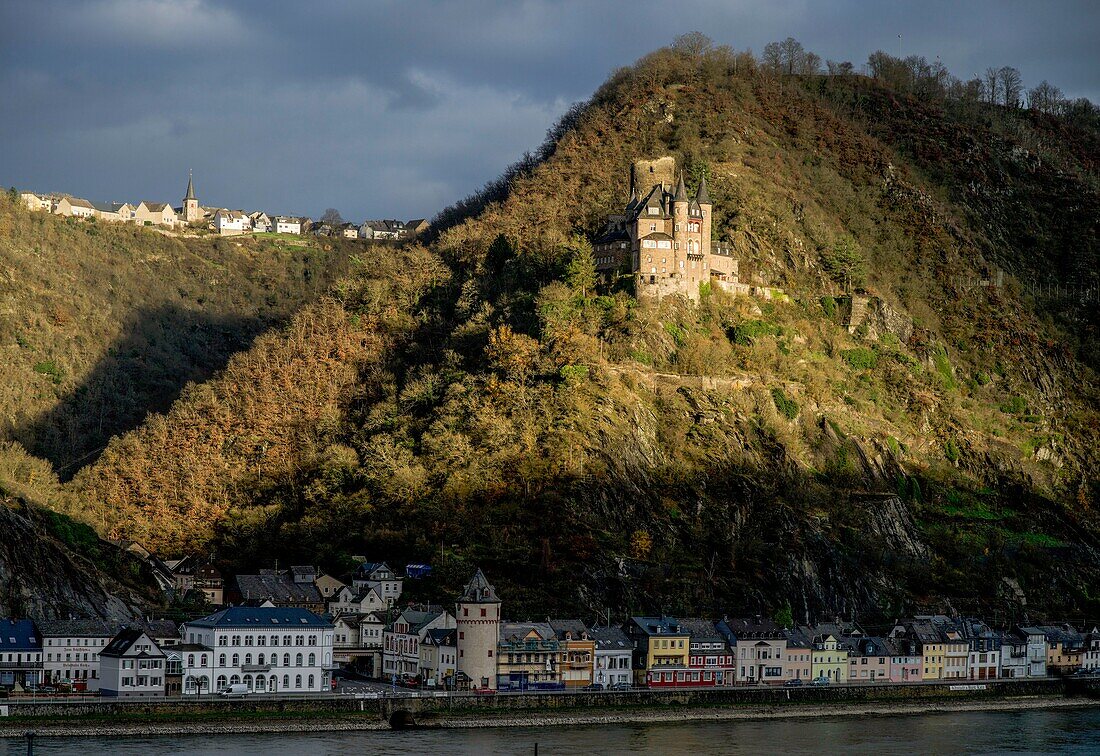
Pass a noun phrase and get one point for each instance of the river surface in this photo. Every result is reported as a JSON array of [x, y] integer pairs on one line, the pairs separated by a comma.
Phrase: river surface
[[1075, 731]]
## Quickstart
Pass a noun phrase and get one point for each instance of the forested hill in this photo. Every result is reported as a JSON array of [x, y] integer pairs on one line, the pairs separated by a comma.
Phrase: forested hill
[[102, 323], [484, 401]]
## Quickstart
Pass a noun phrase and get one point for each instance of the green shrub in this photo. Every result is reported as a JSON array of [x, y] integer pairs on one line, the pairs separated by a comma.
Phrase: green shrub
[[894, 446], [828, 306], [943, 368], [747, 332], [1017, 405], [786, 406], [951, 451], [861, 358], [50, 369], [573, 374], [676, 332]]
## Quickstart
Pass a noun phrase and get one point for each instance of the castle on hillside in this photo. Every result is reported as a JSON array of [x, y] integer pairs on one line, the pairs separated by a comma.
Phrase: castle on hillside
[[663, 237]]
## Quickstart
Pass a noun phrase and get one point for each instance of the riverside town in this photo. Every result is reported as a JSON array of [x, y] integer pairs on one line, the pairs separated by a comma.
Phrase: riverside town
[[301, 631]]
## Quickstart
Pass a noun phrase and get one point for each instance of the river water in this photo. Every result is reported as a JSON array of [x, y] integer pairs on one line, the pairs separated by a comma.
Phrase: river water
[[1070, 731]]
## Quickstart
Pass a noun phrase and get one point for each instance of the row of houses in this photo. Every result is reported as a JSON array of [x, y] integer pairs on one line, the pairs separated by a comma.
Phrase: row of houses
[[225, 221]]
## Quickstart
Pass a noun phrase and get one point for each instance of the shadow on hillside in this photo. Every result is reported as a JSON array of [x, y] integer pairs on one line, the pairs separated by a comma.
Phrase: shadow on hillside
[[161, 350]]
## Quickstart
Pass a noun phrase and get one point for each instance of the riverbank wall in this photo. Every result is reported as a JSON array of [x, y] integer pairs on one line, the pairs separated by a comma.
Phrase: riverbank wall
[[474, 710]]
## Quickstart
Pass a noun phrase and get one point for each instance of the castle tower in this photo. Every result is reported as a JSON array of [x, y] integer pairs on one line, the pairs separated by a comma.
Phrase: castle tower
[[679, 203], [191, 209], [477, 620], [702, 199]]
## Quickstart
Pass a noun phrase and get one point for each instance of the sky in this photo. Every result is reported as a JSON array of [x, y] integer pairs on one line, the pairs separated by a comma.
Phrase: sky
[[387, 109]]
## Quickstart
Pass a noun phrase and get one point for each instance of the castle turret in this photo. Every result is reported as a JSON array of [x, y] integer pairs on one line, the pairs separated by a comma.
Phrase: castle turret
[[702, 199], [191, 209], [477, 620], [679, 229]]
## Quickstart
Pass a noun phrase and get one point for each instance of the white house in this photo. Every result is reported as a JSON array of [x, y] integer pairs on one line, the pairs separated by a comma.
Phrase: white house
[[71, 650], [438, 656], [231, 222], [1024, 653], [1091, 658], [358, 600], [381, 578], [349, 231], [267, 648], [613, 655], [261, 223], [401, 641], [285, 225], [74, 207], [131, 665], [20, 653], [36, 202]]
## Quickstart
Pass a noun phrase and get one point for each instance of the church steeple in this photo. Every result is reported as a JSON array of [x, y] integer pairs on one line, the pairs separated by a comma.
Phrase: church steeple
[[191, 209], [190, 187], [702, 197]]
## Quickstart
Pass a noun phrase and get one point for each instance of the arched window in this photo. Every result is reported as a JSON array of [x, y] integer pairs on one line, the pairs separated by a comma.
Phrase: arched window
[[221, 682], [202, 660], [261, 640], [190, 684], [236, 660], [260, 660], [286, 681], [190, 660], [286, 660], [236, 640], [261, 681], [273, 683], [248, 658], [313, 640], [204, 683], [286, 640], [274, 640], [311, 682], [313, 660], [248, 681], [235, 680], [221, 660], [222, 640], [248, 640], [297, 681], [298, 660], [299, 640]]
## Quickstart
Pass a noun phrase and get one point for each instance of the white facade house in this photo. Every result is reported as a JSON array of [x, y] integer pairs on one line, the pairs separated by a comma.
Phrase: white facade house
[[1024, 653], [131, 665], [36, 202], [286, 225], [231, 222], [438, 656], [401, 641], [267, 648], [356, 600], [1091, 657], [381, 578], [71, 650], [74, 207], [613, 655], [261, 223]]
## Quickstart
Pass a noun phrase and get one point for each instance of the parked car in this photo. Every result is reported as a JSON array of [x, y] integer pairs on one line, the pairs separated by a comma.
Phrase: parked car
[[622, 686], [796, 682], [483, 691], [819, 681], [594, 686], [236, 690]]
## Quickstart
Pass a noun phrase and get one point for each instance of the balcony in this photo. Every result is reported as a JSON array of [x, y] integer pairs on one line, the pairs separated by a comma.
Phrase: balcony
[[21, 665]]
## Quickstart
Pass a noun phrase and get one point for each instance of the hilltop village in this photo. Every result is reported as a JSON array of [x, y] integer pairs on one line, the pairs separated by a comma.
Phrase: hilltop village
[[294, 630], [223, 221]]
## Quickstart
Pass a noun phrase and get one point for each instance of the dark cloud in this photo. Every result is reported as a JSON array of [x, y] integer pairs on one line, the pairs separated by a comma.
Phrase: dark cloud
[[398, 107]]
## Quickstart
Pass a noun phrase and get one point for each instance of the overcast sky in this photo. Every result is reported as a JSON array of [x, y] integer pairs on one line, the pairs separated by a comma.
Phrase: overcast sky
[[396, 109]]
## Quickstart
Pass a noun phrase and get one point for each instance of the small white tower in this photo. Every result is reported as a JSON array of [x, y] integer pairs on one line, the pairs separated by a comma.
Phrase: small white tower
[[477, 620]]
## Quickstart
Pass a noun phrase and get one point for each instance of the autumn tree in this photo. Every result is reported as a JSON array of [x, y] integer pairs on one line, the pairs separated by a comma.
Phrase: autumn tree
[[1045, 97], [844, 263], [1011, 86], [332, 217]]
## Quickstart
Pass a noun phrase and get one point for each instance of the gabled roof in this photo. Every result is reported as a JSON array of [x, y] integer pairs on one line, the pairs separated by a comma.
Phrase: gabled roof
[[701, 630], [418, 616], [479, 591], [78, 202], [573, 628], [279, 587], [441, 637], [155, 207], [19, 635], [262, 617], [750, 628], [610, 639], [519, 632], [125, 640], [657, 625]]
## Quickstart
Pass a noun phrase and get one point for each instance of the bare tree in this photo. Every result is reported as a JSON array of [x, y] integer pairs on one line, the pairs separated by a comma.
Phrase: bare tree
[[992, 81], [693, 43], [772, 58], [792, 54], [809, 64], [836, 68], [1045, 97], [1012, 86], [332, 217]]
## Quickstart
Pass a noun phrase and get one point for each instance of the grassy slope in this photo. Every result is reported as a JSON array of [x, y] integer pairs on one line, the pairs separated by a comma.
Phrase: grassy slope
[[564, 441]]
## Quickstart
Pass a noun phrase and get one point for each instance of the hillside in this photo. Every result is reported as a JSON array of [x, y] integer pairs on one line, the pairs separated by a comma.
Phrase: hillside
[[480, 401], [101, 323]]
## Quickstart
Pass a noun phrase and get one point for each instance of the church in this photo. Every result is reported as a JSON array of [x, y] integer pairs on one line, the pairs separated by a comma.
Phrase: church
[[663, 236]]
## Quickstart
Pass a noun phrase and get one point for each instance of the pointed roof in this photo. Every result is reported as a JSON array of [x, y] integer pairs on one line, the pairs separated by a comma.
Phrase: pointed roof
[[190, 188], [701, 196], [681, 190], [479, 591]]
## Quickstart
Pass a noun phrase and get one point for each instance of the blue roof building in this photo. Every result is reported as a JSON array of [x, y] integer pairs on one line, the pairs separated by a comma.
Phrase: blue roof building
[[20, 654]]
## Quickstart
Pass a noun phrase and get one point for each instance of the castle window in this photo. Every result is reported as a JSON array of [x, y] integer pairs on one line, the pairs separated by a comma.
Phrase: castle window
[[652, 226], [682, 264]]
